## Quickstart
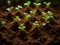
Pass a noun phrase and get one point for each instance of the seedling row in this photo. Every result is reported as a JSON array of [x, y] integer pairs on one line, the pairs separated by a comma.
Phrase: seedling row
[[46, 16]]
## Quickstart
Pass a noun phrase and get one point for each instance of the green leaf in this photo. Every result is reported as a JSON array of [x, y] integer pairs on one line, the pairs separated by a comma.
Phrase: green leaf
[[27, 4], [27, 16], [37, 4], [9, 9], [18, 7], [3, 22], [22, 27], [36, 23], [17, 18], [47, 4], [33, 12]]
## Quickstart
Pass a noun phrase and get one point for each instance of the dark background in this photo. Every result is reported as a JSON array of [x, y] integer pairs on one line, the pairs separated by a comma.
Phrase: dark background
[[22, 1]]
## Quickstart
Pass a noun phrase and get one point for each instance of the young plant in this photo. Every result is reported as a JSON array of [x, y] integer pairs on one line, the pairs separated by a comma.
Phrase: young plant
[[18, 7], [27, 16], [33, 12], [47, 4], [21, 27], [17, 18], [36, 23], [47, 17], [10, 9], [50, 14], [9, 2], [37, 4], [3, 22], [27, 4]]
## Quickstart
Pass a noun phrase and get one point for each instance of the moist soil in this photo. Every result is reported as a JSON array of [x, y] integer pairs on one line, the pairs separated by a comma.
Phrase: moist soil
[[41, 35]]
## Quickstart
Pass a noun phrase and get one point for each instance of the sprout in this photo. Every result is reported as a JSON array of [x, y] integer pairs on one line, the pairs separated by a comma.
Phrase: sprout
[[18, 7], [9, 9], [27, 4], [22, 27], [33, 12], [47, 4], [50, 14], [3, 22], [27, 16], [36, 23], [17, 18], [47, 17], [9, 2], [43, 13], [37, 4]]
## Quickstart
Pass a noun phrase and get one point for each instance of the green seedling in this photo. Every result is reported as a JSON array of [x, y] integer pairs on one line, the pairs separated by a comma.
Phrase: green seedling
[[37, 4], [10, 9], [9, 2], [50, 14], [18, 7], [36, 23], [27, 4], [47, 4], [17, 18], [33, 12], [3, 22], [27, 16], [47, 17], [21, 27]]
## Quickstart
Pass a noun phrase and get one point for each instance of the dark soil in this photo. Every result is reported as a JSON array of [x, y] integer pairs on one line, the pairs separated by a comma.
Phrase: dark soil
[[41, 35]]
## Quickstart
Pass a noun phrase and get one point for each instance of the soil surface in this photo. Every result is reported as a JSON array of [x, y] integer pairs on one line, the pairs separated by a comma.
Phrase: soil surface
[[41, 35]]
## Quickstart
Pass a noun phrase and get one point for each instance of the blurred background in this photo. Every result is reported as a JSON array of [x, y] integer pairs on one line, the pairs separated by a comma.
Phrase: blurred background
[[22, 1]]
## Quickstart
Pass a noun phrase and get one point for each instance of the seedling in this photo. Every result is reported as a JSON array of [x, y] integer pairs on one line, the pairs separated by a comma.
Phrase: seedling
[[3, 22], [33, 12], [47, 17], [18, 7], [36, 23], [22, 27], [10, 9], [27, 4], [17, 18], [37, 4], [50, 14], [47, 4], [27, 16], [9, 2]]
